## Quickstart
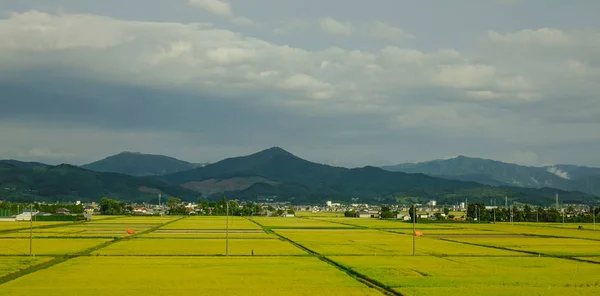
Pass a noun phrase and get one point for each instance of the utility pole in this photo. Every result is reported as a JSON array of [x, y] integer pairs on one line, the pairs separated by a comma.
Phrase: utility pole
[[227, 229], [31, 230], [594, 216], [414, 230], [466, 208], [537, 215], [511, 214], [160, 208], [494, 211]]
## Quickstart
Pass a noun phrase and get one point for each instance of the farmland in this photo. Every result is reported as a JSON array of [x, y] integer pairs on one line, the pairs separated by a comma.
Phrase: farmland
[[310, 255]]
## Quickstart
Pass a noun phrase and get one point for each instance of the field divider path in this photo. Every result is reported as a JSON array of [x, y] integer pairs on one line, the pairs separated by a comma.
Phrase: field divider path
[[52, 225], [355, 275], [41, 226], [336, 222], [60, 259], [522, 251]]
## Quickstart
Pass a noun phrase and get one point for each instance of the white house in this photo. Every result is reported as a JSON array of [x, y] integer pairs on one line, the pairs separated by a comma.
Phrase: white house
[[26, 216]]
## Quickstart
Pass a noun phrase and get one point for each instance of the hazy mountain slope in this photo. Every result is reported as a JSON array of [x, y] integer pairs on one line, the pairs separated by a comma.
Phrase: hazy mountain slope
[[138, 164], [22, 164], [292, 178], [490, 172], [70, 183]]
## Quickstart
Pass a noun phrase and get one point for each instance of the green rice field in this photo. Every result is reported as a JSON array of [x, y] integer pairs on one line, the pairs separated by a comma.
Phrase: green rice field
[[313, 254]]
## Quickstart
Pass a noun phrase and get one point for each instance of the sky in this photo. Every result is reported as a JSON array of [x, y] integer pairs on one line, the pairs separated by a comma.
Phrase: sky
[[342, 82]]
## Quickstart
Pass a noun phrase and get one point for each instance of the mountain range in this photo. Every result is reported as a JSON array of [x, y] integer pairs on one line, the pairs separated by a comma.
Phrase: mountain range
[[21, 181], [138, 164], [496, 173], [271, 174]]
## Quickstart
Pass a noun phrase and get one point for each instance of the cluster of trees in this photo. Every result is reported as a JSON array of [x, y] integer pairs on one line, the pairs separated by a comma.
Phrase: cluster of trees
[[530, 214], [280, 212], [386, 213], [13, 208], [75, 209], [112, 207]]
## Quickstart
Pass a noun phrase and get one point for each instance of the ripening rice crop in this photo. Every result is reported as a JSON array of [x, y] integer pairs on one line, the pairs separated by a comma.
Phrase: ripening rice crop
[[293, 222], [141, 246], [380, 224], [188, 276], [9, 265], [47, 246], [593, 259], [216, 222], [500, 275], [135, 220], [548, 246], [530, 228], [202, 234], [4, 226], [373, 242]]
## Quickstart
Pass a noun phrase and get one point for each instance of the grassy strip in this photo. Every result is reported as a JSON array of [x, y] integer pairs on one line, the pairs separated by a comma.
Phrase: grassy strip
[[58, 260], [205, 238], [58, 237], [34, 268], [51, 226], [41, 226], [557, 236], [371, 283], [194, 255], [337, 222], [499, 248], [524, 251]]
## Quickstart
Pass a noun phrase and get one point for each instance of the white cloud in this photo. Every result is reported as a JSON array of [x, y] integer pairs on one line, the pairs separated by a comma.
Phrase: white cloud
[[559, 172], [371, 30], [336, 28], [223, 9], [216, 7], [383, 31]]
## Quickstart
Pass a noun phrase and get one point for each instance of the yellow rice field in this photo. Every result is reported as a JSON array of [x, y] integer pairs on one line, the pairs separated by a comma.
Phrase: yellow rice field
[[377, 243], [235, 223], [47, 246], [143, 246], [5, 226], [546, 246], [201, 234], [9, 265], [292, 222], [187, 276], [179, 254], [464, 275]]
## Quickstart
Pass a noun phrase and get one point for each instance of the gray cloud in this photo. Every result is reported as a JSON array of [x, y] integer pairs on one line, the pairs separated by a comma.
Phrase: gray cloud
[[80, 82]]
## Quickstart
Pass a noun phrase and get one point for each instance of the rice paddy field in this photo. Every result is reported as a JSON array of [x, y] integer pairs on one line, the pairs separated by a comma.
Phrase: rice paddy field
[[314, 254]]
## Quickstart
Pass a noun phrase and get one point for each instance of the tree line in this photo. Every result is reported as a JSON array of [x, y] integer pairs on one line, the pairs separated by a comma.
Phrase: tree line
[[174, 206], [13, 208], [530, 214]]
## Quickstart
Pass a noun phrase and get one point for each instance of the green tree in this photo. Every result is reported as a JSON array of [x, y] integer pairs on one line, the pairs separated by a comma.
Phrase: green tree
[[111, 207], [175, 207], [234, 208], [290, 210], [350, 213], [446, 211], [386, 212]]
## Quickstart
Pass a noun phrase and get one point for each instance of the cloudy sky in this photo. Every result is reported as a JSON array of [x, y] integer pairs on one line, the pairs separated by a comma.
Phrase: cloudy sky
[[343, 82]]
